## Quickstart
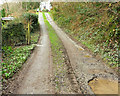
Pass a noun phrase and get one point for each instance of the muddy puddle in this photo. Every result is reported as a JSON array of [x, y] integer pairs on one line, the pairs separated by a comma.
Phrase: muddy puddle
[[104, 86]]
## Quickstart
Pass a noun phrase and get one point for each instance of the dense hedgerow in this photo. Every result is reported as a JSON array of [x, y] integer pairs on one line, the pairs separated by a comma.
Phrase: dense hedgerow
[[13, 34]]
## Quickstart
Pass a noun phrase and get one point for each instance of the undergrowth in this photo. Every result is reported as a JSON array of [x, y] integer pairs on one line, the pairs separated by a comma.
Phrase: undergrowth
[[14, 57], [96, 25]]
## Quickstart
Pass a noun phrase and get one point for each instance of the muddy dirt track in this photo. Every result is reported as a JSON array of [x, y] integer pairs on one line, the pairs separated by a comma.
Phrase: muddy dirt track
[[92, 75], [36, 80], [86, 68]]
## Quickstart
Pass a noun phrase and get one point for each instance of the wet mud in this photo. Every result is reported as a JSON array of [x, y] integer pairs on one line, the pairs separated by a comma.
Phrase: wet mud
[[104, 86]]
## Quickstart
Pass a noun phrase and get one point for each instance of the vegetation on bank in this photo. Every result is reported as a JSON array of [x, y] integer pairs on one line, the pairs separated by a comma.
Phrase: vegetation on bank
[[14, 57], [15, 49], [96, 25]]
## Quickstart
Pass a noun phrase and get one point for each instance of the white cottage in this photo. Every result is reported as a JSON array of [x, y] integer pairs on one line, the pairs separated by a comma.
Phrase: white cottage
[[45, 5]]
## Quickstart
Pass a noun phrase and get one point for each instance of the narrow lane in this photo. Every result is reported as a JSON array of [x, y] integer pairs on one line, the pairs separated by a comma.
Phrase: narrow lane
[[86, 67], [37, 80]]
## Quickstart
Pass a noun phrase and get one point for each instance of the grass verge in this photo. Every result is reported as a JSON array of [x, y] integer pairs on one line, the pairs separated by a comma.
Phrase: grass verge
[[60, 68]]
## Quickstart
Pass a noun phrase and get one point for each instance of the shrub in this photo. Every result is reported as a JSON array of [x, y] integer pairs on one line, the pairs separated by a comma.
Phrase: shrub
[[33, 19], [13, 33]]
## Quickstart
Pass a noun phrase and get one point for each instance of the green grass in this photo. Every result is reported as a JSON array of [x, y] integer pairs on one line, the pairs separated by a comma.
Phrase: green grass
[[57, 53]]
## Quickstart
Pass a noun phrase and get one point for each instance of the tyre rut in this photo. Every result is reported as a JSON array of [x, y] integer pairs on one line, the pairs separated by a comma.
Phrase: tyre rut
[[82, 62]]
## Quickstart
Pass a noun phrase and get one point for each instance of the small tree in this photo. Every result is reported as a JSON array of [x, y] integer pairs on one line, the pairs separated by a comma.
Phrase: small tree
[[28, 21], [31, 23]]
